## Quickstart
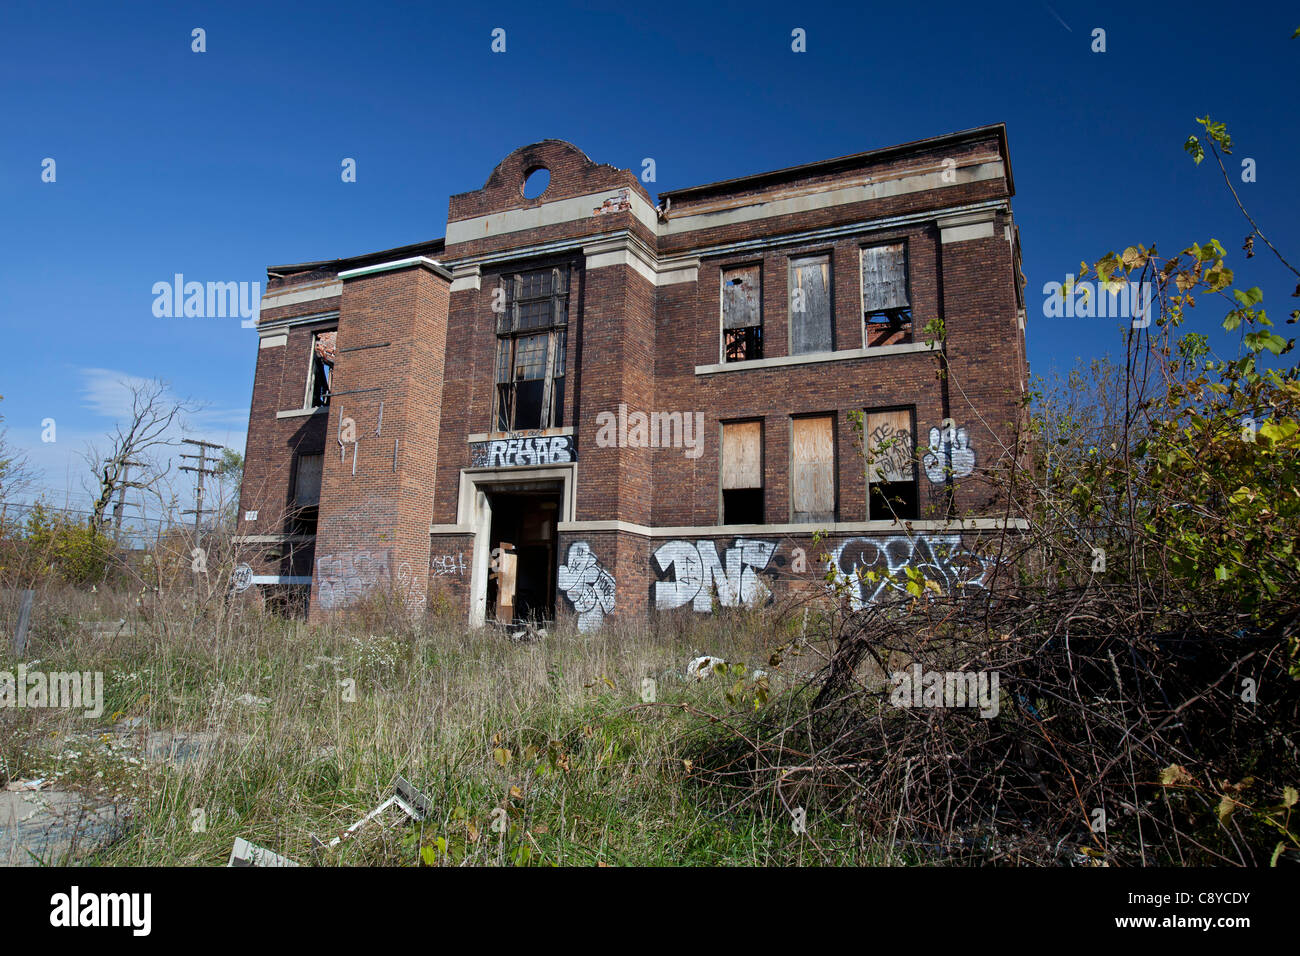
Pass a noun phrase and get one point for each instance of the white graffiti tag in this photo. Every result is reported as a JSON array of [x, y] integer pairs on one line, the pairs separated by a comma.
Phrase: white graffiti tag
[[940, 557], [588, 586], [697, 573], [342, 578], [949, 451]]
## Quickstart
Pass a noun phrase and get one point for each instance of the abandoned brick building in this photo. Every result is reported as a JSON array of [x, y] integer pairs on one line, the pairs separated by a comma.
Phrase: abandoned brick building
[[600, 403]]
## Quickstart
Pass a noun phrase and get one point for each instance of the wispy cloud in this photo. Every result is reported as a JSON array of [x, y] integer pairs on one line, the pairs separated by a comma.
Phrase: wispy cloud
[[1058, 17], [108, 392]]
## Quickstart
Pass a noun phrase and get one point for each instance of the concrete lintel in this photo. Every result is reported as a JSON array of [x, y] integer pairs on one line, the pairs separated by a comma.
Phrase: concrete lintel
[[814, 357], [806, 530]]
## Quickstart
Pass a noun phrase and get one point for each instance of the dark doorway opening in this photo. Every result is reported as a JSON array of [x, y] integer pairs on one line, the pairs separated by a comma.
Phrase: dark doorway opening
[[526, 523]]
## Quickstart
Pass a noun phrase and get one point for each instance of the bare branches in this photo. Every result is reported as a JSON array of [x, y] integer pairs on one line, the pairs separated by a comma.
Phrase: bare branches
[[153, 422]]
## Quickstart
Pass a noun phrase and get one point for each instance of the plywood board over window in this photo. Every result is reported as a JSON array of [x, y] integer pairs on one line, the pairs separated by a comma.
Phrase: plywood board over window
[[740, 297], [812, 469], [742, 473], [742, 455], [889, 446], [891, 465], [810, 305]]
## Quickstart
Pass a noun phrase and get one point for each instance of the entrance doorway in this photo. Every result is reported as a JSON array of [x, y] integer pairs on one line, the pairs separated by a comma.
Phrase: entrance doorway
[[524, 527]]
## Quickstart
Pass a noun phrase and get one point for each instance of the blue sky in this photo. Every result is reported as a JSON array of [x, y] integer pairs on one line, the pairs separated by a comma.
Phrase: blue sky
[[220, 163]]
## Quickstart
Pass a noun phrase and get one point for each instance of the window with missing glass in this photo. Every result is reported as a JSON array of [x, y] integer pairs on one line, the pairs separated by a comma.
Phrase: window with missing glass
[[532, 331], [742, 313], [886, 305], [324, 350]]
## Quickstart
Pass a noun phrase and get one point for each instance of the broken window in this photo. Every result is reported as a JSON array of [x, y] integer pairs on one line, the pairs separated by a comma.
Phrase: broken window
[[810, 305], [324, 348], [891, 466], [812, 469], [306, 493], [531, 345], [886, 309], [742, 313], [742, 473]]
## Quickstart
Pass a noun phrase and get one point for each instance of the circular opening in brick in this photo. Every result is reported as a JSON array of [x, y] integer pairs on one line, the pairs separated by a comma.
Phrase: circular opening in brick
[[535, 182]]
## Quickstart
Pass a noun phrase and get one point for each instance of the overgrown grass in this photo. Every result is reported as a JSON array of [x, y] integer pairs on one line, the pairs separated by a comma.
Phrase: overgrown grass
[[546, 753]]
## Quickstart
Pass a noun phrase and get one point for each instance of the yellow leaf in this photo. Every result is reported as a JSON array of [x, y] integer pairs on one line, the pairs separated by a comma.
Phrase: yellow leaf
[[1175, 776], [1226, 806], [501, 755]]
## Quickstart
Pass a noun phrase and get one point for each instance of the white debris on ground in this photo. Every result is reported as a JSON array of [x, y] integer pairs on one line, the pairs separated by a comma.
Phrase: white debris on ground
[[702, 667], [74, 808]]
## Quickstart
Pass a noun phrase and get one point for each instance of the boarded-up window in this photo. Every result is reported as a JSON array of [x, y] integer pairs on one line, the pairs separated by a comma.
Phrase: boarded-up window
[[306, 492], [742, 313], [891, 465], [742, 473], [886, 308], [810, 305], [812, 469]]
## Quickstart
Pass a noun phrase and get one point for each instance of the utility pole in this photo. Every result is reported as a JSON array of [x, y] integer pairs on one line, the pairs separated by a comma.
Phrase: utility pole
[[201, 469], [121, 497]]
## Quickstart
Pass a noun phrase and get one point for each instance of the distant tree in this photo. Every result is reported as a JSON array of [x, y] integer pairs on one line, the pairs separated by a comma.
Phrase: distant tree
[[132, 446], [230, 475]]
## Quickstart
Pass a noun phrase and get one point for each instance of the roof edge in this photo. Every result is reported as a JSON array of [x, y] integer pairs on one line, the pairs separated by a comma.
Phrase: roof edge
[[853, 159]]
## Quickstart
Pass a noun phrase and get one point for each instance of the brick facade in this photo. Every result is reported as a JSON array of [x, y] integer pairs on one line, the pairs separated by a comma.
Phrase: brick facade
[[417, 483]]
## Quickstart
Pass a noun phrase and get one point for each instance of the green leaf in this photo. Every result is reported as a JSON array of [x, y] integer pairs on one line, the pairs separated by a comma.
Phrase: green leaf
[[1194, 149], [1249, 297]]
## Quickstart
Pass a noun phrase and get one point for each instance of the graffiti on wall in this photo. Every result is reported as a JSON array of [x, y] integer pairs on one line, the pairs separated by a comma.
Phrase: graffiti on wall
[[342, 578], [891, 458], [588, 586], [413, 596], [517, 452], [940, 557], [698, 573], [450, 562], [950, 450]]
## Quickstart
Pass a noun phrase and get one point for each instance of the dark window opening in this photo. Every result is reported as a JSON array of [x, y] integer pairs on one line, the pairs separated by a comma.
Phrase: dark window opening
[[889, 328], [324, 349], [742, 506], [303, 520], [893, 499], [531, 350], [744, 344]]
